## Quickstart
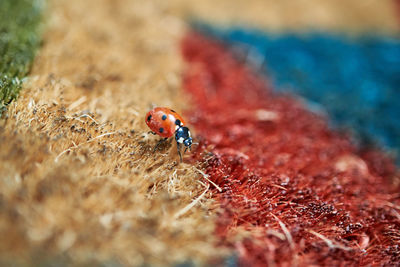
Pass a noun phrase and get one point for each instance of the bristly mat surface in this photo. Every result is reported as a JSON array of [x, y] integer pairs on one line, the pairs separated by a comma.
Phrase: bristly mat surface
[[80, 183]]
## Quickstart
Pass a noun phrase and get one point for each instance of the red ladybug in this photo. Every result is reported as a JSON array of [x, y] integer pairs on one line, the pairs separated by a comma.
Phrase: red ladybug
[[166, 122]]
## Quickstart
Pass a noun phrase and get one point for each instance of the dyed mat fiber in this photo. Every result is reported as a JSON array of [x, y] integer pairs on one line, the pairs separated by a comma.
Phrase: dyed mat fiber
[[300, 191], [353, 80]]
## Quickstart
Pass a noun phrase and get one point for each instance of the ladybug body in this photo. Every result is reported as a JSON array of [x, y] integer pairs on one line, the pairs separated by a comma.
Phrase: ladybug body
[[166, 122]]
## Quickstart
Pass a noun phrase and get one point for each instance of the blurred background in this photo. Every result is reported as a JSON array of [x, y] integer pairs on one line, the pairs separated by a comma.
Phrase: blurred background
[[341, 59]]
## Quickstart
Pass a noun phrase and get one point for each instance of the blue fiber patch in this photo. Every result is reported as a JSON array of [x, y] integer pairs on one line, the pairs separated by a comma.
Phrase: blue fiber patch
[[356, 80]]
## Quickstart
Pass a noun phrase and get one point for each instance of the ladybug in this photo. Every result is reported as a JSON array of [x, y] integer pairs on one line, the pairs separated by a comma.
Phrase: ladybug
[[166, 122]]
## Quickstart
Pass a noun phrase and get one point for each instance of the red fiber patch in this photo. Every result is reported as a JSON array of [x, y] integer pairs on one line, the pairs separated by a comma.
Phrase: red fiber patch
[[300, 190]]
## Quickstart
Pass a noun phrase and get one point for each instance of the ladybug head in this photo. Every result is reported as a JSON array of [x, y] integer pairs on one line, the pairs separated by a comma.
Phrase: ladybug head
[[182, 136], [188, 143]]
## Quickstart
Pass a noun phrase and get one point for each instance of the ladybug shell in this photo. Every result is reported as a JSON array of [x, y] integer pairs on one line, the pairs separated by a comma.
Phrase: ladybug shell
[[163, 121]]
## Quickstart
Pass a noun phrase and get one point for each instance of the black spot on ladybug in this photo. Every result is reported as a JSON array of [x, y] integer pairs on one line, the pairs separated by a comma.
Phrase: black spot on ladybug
[[149, 118], [178, 122], [173, 110], [161, 130], [164, 117]]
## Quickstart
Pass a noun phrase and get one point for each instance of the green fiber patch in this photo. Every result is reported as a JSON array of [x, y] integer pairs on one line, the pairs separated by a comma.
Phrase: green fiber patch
[[19, 39]]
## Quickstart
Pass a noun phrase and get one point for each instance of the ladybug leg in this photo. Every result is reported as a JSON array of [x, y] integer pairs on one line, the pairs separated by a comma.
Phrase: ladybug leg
[[159, 143], [151, 132], [178, 145]]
